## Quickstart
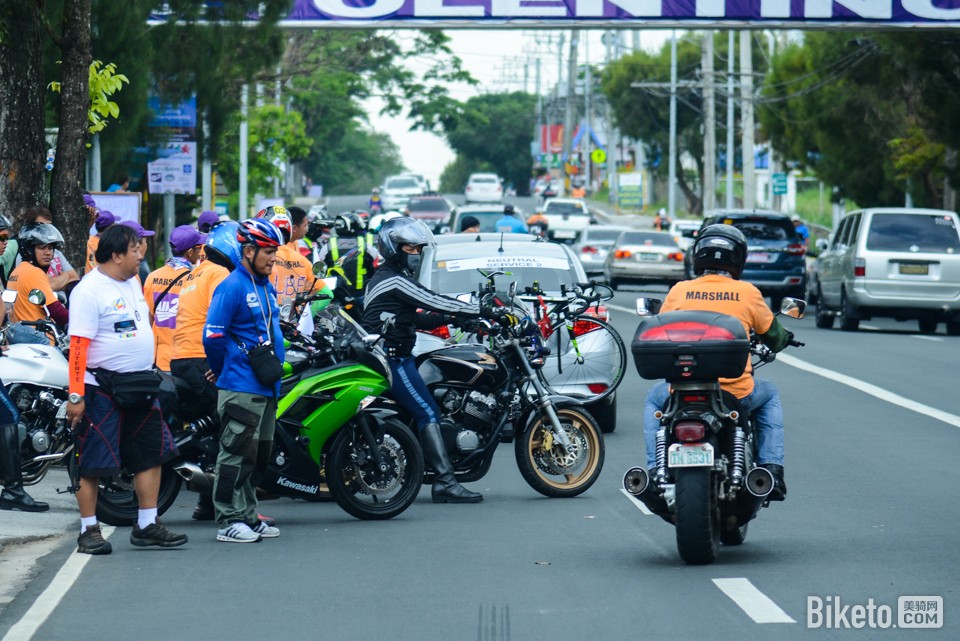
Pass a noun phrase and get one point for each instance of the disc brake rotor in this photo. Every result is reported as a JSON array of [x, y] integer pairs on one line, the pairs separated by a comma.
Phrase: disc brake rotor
[[371, 481], [551, 457]]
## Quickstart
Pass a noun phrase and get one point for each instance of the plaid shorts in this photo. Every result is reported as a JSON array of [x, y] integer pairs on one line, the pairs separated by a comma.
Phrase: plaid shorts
[[110, 439]]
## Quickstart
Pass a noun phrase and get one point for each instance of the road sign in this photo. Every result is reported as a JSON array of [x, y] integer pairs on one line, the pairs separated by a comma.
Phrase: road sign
[[630, 192], [598, 156], [779, 184]]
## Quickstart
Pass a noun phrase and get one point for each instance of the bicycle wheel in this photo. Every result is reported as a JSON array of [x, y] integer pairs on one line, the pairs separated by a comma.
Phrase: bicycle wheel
[[587, 362]]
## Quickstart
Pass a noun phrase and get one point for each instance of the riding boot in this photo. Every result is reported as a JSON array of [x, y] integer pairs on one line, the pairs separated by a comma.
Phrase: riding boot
[[779, 492], [445, 486], [653, 499], [14, 497]]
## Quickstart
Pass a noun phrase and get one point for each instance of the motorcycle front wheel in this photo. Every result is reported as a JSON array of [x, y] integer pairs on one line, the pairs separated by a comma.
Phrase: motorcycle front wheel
[[359, 486], [697, 515], [117, 501], [550, 470]]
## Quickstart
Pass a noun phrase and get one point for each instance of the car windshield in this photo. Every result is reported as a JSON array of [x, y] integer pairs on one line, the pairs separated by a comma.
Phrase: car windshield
[[913, 233], [646, 238], [601, 235], [432, 204], [484, 180], [402, 183], [763, 229], [564, 208], [488, 219]]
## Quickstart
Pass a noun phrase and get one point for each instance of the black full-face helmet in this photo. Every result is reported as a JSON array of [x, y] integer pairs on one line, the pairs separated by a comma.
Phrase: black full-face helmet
[[720, 247], [403, 231]]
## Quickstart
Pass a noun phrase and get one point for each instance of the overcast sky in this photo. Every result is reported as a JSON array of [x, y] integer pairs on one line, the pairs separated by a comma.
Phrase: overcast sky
[[500, 60]]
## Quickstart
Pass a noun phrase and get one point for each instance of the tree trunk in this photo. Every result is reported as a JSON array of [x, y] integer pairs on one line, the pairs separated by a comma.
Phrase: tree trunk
[[66, 189], [694, 204], [22, 146]]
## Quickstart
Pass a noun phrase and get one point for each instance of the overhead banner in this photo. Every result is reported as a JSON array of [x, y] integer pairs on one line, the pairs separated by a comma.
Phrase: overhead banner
[[655, 14]]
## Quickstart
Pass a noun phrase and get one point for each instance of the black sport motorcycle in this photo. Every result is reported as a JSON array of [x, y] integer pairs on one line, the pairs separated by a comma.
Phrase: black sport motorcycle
[[489, 391], [705, 481]]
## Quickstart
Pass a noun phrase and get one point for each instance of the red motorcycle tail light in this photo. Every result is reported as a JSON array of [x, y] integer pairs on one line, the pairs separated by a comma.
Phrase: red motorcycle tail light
[[687, 332], [689, 431], [694, 398]]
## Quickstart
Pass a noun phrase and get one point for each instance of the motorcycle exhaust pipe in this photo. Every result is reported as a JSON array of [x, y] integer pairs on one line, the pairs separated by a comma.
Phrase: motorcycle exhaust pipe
[[636, 480], [197, 480], [760, 482]]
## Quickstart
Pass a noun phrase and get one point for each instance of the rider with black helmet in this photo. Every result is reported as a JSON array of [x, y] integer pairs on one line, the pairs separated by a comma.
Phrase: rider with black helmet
[[393, 293], [718, 258], [349, 255], [37, 243]]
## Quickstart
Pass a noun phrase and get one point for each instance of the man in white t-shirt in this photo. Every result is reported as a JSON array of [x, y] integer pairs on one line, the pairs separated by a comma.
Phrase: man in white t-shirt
[[110, 333]]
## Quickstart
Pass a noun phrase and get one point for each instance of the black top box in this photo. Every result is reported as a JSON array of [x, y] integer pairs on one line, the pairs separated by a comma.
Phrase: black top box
[[690, 346]]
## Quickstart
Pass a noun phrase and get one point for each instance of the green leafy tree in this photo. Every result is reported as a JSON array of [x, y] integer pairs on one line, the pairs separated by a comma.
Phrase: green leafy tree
[[103, 83]]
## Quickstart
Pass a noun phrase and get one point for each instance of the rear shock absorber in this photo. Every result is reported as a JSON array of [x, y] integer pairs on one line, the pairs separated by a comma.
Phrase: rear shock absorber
[[739, 460], [661, 455]]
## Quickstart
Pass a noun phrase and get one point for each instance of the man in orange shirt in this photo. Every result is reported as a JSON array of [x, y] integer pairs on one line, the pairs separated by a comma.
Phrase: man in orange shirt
[[719, 255], [37, 243], [162, 290]]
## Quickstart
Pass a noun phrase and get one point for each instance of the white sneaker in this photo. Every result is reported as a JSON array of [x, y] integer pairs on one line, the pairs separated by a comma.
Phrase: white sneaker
[[265, 531], [238, 533]]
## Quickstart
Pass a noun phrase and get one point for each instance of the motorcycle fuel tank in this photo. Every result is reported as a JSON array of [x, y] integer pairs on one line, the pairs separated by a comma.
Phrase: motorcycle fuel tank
[[467, 364], [35, 364]]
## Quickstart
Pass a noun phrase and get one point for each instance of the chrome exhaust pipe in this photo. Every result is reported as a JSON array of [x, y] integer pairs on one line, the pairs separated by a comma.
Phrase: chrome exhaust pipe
[[636, 481], [197, 480], [760, 482]]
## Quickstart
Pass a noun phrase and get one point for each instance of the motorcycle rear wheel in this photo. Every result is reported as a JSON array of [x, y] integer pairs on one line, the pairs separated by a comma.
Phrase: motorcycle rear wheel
[[697, 515], [546, 468], [117, 502], [736, 536], [351, 480]]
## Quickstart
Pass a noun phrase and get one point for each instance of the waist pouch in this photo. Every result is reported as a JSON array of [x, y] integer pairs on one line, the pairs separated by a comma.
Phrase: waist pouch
[[129, 390], [266, 366]]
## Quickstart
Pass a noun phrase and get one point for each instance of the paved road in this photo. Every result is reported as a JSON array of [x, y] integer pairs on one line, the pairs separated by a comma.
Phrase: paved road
[[869, 516]]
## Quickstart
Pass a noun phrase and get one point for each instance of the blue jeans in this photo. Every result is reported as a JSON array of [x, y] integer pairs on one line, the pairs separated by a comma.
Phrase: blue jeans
[[763, 403], [18, 333], [411, 392]]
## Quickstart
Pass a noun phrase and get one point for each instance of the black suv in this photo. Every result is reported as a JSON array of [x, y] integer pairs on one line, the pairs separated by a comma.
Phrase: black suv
[[775, 253]]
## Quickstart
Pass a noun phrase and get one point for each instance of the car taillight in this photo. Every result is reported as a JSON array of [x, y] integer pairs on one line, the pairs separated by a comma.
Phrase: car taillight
[[582, 327], [687, 332], [860, 268], [622, 253], [796, 249], [587, 249], [597, 311], [677, 256], [597, 388], [687, 431]]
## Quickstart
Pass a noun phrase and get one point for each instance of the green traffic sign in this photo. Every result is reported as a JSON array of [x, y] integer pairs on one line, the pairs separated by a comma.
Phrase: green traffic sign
[[779, 184]]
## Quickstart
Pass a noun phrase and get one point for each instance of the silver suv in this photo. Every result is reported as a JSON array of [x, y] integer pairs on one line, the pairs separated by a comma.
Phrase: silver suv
[[892, 262]]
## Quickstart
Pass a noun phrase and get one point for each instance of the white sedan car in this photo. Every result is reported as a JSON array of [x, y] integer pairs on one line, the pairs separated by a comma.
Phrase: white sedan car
[[484, 188]]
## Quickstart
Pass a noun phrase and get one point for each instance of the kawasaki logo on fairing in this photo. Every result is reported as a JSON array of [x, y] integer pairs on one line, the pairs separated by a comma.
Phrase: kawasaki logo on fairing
[[300, 487]]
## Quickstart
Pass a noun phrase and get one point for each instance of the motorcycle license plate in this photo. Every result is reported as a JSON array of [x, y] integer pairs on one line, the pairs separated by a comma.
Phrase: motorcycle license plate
[[565, 233], [697, 455]]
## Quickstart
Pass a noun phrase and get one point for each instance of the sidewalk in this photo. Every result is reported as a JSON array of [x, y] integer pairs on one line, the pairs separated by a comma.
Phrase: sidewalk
[[23, 527]]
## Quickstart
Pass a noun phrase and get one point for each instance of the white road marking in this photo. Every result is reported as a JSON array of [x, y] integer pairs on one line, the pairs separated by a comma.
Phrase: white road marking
[[872, 390], [755, 603], [928, 338], [47, 602], [637, 502]]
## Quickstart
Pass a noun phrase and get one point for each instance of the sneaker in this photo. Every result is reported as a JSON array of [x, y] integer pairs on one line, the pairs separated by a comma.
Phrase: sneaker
[[91, 541], [156, 534], [265, 530], [237, 533]]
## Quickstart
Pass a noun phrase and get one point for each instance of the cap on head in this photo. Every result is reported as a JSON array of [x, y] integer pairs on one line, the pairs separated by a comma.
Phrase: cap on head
[[184, 238], [104, 220], [88, 201], [207, 220], [137, 227]]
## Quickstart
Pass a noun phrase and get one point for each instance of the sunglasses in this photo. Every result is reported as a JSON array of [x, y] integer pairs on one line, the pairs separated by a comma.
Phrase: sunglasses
[[4, 238]]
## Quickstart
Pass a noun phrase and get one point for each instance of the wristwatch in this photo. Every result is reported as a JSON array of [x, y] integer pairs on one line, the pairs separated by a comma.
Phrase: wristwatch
[[75, 398]]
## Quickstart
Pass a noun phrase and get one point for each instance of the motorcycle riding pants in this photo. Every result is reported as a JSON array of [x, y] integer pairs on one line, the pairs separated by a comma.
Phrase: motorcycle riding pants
[[247, 422], [411, 392], [763, 403]]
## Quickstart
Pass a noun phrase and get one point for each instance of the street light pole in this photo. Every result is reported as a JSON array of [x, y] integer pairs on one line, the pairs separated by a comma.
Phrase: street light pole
[[731, 152], [672, 175]]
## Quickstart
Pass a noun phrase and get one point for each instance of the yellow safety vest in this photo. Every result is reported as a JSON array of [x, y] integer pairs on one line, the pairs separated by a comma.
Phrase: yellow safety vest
[[337, 269]]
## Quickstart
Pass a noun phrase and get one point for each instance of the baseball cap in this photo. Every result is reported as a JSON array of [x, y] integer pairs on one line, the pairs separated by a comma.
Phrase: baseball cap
[[207, 219], [104, 220], [468, 222], [89, 201], [186, 237], [137, 227]]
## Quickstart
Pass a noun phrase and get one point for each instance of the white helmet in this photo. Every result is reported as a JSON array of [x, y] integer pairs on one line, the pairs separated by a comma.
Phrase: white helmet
[[376, 222]]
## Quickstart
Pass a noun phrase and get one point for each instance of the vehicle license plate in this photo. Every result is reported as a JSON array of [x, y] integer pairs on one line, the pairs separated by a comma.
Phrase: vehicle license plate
[[914, 269], [649, 257], [564, 233], [697, 455], [759, 257]]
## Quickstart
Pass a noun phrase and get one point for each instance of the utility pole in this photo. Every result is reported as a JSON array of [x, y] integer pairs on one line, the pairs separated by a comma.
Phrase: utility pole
[[672, 175], [556, 93], [539, 136], [731, 152], [587, 119], [613, 144], [244, 143], [746, 97], [570, 115], [710, 126]]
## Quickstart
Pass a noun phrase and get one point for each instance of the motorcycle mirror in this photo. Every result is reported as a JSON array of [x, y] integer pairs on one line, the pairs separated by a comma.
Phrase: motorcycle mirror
[[37, 297], [648, 306], [793, 307], [319, 269], [604, 291], [9, 296]]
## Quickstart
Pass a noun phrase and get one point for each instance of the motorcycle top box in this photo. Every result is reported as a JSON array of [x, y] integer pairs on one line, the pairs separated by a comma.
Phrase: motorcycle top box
[[690, 346]]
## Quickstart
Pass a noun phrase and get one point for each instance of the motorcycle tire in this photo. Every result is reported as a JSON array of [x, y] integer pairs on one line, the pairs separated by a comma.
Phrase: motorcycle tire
[[117, 502], [380, 500], [697, 515], [546, 468], [736, 536]]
